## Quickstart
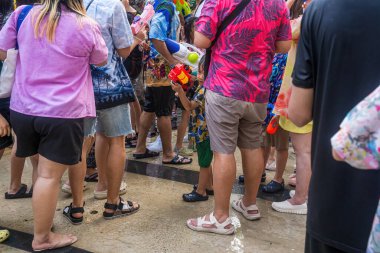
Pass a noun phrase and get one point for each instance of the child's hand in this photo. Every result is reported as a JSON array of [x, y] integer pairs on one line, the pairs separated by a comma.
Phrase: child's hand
[[5, 129], [176, 87]]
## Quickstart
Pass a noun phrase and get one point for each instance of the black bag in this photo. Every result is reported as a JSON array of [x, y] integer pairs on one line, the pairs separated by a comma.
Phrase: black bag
[[226, 22]]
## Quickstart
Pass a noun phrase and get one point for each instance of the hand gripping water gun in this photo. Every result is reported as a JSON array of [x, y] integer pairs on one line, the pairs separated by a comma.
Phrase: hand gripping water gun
[[182, 53], [181, 75], [142, 20], [273, 126]]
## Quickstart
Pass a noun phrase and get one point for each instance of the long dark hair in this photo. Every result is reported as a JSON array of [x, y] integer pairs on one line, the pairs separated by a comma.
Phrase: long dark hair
[[26, 2], [296, 9], [6, 8]]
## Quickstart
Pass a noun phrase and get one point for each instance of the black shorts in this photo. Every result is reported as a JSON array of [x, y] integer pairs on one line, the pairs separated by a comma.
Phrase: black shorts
[[159, 100], [59, 140], [5, 141], [313, 245]]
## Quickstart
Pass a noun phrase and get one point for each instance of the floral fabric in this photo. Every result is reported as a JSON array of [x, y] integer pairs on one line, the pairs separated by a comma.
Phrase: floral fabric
[[241, 58], [198, 127]]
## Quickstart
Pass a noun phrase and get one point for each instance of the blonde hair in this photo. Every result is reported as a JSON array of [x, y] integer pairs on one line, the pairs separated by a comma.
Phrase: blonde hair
[[52, 10]]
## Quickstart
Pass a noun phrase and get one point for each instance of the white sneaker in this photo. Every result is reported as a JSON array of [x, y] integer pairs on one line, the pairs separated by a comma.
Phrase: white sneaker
[[156, 146], [286, 207], [186, 139], [292, 193], [103, 194], [271, 166], [67, 189]]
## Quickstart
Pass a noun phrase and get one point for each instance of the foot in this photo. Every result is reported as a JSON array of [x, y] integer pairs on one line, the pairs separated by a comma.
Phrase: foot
[[249, 212], [54, 241], [178, 160], [210, 224], [287, 207]]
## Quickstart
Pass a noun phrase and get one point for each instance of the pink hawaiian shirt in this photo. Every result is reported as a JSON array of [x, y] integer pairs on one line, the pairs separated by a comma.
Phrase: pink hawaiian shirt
[[241, 58]]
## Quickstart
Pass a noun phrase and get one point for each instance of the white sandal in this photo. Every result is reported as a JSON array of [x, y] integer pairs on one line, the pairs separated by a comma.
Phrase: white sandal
[[219, 228], [250, 213], [99, 195]]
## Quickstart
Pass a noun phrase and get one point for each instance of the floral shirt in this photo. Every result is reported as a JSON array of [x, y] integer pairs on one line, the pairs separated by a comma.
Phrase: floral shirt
[[358, 143], [241, 58], [198, 127], [112, 85]]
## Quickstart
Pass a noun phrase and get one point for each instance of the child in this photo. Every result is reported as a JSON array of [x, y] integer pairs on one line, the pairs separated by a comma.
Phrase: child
[[199, 129]]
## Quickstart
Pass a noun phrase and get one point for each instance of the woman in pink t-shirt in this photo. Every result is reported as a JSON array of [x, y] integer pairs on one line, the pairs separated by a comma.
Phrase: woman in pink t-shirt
[[51, 96]]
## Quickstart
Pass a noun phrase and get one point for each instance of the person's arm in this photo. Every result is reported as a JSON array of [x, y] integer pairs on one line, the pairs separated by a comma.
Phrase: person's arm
[[284, 35], [300, 106], [3, 55], [138, 39], [160, 46], [357, 142], [5, 129], [302, 97], [207, 24], [187, 104]]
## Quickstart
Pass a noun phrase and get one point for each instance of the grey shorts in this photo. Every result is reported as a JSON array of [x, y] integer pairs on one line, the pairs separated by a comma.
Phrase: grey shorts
[[233, 123], [138, 86], [112, 122]]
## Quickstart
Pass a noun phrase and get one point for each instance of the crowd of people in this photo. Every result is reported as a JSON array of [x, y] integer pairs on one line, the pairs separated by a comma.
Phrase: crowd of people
[[86, 88]]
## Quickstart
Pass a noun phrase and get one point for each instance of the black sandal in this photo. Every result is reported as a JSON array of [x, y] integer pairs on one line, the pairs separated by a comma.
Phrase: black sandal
[[179, 160], [120, 210], [68, 212], [147, 154], [22, 193]]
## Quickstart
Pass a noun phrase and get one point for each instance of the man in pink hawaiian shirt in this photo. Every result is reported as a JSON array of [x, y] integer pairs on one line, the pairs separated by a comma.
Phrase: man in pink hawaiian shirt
[[237, 93]]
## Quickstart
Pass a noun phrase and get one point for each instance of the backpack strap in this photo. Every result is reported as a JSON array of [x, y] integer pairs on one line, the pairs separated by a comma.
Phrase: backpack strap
[[89, 4], [24, 12], [226, 22]]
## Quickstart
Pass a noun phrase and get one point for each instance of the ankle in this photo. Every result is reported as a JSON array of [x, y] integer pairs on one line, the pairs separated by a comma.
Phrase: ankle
[[247, 202], [278, 180], [221, 216]]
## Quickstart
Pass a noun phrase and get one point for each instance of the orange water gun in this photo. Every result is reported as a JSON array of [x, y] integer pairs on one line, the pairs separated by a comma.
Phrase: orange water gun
[[181, 74], [273, 126]]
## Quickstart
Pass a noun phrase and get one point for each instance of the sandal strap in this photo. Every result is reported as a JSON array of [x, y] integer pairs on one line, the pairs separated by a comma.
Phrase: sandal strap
[[215, 222], [111, 206]]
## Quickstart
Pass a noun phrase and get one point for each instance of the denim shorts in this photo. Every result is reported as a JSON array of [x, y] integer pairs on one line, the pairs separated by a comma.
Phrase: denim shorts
[[114, 122], [89, 127]]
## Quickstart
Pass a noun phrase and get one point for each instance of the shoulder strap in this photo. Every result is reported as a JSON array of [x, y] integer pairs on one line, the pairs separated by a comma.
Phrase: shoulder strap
[[226, 22], [89, 4], [24, 12]]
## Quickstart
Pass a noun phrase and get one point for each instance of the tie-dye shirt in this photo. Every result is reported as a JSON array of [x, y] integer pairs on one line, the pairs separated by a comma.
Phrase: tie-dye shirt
[[241, 58], [112, 85]]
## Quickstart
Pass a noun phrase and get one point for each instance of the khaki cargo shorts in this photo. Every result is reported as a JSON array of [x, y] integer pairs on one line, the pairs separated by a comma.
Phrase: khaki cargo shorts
[[233, 123]]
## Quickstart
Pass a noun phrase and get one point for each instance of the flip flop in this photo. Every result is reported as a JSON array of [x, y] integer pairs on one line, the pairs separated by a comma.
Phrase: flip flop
[[22, 193], [179, 160], [147, 154]]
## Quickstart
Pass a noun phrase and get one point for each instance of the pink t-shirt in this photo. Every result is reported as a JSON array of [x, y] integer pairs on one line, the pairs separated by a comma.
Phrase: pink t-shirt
[[241, 61], [53, 79]]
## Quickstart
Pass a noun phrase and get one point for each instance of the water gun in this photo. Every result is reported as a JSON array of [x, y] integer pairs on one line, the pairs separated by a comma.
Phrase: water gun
[[142, 20], [273, 126], [182, 75], [184, 53]]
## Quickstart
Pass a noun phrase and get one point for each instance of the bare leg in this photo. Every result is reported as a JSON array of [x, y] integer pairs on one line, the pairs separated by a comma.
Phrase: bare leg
[[266, 152], [34, 161], [2, 153], [146, 121], [164, 126], [76, 175], [135, 115], [181, 130], [224, 173], [45, 197], [114, 154], [302, 148], [253, 162], [17, 168], [101, 156], [281, 160], [204, 181]]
